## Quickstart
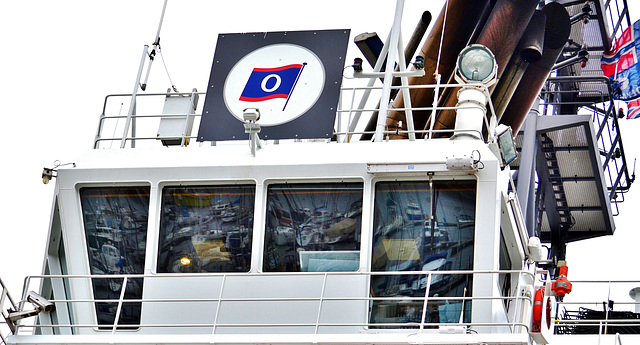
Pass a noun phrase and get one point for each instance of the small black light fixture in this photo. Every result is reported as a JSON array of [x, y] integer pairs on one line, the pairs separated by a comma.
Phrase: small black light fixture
[[49, 173], [419, 63], [357, 65]]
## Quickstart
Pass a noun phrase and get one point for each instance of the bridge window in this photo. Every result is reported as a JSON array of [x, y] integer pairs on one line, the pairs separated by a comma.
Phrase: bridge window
[[313, 227], [115, 222], [422, 227], [206, 229]]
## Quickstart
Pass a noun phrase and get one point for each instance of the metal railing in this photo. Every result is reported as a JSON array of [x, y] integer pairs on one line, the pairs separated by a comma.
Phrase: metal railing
[[148, 113], [7, 305], [618, 19], [516, 321], [599, 307], [601, 106]]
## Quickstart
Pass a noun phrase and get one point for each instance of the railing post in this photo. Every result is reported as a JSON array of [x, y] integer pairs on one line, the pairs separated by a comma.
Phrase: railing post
[[119, 309], [424, 304], [215, 318], [517, 315], [321, 302]]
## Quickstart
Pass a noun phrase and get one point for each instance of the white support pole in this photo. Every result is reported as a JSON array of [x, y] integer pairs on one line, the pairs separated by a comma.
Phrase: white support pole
[[404, 82], [391, 58], [155, 47], [436, 95], [132, 105], [367, 91]]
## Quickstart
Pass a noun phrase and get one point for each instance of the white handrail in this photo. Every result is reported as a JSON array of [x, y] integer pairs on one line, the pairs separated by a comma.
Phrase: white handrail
[[517, 326]]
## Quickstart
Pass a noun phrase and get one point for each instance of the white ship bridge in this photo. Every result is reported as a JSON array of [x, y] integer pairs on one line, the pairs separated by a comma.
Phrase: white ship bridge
[[403, 231]]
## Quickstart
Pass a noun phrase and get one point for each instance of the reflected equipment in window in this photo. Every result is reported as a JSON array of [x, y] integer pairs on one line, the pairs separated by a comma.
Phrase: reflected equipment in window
[[422, 226], [115, 223], [206, 229], [313, 227]]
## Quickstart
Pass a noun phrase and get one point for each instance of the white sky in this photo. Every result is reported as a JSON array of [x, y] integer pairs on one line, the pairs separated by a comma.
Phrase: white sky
[[59, 59]]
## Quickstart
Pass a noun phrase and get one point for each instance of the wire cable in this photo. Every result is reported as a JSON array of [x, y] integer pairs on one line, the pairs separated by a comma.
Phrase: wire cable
[[173, 86]]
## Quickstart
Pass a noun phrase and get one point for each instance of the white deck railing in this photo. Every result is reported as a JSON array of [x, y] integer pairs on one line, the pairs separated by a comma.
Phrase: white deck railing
[[515, 322], [146, 119], [599, 307]]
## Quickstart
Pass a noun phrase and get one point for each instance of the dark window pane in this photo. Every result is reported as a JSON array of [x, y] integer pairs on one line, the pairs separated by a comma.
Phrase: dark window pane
[[206, 229], [115, 222], [313, 227]]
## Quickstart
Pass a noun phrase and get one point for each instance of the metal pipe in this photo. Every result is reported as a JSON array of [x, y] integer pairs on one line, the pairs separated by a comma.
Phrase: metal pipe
[[557, 30], [412, 45], [501, 34], [132, 105], [409, 51], [529, 50], [388, 79], [156, 47], [462, 17], [365, 96], [405, 93]]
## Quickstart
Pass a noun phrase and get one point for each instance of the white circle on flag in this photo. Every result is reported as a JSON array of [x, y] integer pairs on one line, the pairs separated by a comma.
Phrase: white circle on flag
[[266, 64]]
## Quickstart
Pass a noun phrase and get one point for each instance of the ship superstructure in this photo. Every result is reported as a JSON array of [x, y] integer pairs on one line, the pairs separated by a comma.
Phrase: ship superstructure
[[423, 226]]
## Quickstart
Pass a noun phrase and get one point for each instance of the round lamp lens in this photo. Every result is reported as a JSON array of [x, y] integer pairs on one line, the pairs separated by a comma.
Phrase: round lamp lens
[[476, 63]]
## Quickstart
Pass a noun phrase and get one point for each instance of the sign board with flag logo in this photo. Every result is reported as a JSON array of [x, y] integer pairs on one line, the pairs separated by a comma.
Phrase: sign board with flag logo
[[293, 78]]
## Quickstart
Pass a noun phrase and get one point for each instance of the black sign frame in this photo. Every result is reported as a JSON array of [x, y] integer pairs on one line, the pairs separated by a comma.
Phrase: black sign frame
[[330, 46]]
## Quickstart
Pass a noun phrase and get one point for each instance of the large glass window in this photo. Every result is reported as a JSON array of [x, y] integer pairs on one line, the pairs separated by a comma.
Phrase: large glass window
[[115, 222], [313, 227], [206, 229], [422, 226]]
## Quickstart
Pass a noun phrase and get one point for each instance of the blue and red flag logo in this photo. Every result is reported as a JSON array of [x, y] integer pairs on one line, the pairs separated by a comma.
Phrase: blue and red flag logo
[[620, 64], [270, 83]]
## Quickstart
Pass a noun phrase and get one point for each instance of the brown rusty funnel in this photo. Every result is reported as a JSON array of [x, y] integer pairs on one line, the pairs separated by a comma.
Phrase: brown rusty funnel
[[557, 30], [529, 50], [461, 21], [501, 34]]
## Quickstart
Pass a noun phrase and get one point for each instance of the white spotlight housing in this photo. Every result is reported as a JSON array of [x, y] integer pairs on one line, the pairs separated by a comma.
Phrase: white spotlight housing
[[476, 65]]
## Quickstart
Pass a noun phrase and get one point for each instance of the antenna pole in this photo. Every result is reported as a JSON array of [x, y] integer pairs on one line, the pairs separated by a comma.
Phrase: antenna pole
[[155, 47], [164, 8], [143, 86], [132, 104]]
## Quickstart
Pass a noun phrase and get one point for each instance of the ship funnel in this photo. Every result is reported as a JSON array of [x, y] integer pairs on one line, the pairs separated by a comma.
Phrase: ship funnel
[[532, 41], [462, 18], [501, 34], [529, 50], [557, 30]]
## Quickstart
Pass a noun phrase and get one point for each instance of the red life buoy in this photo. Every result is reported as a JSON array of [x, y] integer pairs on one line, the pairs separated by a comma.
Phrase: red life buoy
[[537, 310]]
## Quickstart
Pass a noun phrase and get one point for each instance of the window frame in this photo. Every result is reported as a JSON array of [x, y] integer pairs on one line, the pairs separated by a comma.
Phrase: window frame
[[203, 184], [149, 231], [435, 178]]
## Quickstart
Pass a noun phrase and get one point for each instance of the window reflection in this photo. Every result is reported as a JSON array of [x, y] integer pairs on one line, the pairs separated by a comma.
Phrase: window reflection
[[115, 222], [206, 229], [422, 228], [313, 227]]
